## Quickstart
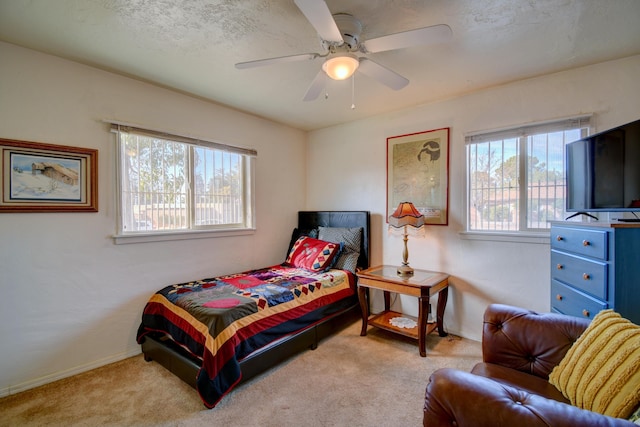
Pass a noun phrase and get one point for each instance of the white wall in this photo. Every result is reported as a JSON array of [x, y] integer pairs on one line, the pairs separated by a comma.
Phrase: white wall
[[351, 158], [70, 299]]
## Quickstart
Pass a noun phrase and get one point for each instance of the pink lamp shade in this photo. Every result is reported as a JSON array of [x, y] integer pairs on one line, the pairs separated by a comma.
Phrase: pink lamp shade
[[406, 214]]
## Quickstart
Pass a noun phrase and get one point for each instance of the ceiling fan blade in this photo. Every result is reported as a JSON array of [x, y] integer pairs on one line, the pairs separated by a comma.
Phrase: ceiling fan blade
[[318, 14], [382, 74], [421, 36], [316, 86], [270, 61]]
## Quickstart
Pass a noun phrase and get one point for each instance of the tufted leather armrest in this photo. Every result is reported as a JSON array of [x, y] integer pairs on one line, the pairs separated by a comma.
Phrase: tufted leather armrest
[[527, 341], [457, 398]]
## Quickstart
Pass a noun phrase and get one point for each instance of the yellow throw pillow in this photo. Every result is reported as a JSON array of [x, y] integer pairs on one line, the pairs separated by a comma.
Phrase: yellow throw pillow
[[601, 371]]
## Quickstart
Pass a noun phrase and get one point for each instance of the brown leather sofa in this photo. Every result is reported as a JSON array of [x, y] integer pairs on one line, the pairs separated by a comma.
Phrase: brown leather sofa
[[510, 387]]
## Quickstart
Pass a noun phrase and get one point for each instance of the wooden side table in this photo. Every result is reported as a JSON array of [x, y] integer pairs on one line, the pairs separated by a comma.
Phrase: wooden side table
[[423, 284]]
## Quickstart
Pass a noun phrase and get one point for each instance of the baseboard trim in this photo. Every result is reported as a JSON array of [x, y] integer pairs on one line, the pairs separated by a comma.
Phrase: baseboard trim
[[27, 385]]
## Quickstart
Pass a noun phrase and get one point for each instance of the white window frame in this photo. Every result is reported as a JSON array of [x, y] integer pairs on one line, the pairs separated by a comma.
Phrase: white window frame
[[521, 133], [192, 231]]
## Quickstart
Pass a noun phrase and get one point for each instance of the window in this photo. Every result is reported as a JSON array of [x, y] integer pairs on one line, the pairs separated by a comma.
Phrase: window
[[171, 184], [515, 179]]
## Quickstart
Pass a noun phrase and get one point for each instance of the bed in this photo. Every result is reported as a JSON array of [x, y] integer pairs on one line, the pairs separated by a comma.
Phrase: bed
[[215, 333]]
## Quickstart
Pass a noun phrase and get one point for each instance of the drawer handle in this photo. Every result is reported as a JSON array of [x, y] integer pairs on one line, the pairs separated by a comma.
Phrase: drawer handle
[[585, 313], [559, 266], [586, 243], [586, 276], [559, 297], [559, 238]]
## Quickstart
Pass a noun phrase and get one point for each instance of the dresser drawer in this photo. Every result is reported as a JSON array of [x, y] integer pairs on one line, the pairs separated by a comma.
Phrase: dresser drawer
[[567, 300], [586, 275], [592, 243]]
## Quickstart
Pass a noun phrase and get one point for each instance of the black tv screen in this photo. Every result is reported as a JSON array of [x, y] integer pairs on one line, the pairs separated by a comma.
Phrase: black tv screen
[[603, 171]]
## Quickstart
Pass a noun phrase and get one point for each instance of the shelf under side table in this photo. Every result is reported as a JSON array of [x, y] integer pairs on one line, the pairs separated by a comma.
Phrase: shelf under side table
[[383, 321]]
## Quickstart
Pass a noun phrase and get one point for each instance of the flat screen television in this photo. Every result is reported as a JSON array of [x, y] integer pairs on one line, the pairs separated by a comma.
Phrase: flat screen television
[[603, 171]]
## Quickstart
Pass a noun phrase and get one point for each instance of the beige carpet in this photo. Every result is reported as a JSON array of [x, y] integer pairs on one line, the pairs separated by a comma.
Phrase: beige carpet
[[349, 380]]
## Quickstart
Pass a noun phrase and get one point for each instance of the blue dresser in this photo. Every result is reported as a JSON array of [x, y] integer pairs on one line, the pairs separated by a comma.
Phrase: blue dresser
[[595, 266]]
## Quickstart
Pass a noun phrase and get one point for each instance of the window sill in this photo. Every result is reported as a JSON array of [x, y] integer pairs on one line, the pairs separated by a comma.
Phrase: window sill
[[124, 239], [521, 237]]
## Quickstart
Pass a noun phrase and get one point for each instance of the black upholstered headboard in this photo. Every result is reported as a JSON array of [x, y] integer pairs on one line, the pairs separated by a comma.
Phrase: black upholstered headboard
[[346, 219]]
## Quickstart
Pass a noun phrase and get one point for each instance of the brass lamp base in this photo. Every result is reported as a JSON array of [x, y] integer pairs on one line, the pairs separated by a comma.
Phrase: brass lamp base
[[405, 271]]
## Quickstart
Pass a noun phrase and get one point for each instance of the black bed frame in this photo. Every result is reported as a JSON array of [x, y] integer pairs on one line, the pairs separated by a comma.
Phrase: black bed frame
[[182, 364]]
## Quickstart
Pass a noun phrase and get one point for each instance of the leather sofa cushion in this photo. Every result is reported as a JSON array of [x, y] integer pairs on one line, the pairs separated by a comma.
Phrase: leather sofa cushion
[[520, 380]]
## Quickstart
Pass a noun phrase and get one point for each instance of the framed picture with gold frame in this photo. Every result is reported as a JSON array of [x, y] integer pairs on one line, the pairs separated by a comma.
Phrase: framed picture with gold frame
[[39, 177], [418, 172]]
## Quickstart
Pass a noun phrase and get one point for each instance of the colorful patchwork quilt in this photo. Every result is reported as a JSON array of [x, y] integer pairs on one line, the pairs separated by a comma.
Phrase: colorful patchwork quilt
[[224, 319]]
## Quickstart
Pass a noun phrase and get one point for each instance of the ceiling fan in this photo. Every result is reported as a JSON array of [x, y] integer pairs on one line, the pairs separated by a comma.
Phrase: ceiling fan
[[345, 52]]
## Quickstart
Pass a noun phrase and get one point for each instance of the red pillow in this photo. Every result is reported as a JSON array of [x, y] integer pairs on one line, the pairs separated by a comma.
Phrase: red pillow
[[313, 254]]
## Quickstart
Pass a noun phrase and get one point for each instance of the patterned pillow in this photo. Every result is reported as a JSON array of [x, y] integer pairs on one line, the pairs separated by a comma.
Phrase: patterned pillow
[[601, 371], [299, 232], [313, 254], [351, 239]]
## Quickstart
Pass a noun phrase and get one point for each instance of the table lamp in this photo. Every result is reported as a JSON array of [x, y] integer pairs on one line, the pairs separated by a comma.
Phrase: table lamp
[[406, 215]]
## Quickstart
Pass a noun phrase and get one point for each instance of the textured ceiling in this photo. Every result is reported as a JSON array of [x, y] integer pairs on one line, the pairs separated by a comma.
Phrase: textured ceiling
[[192, 46]]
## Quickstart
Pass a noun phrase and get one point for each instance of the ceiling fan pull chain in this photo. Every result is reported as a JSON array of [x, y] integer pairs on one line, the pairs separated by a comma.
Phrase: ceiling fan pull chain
[[353, 92], [326, 91]]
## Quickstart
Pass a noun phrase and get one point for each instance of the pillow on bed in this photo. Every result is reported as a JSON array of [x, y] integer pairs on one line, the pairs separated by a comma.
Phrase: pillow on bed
[[313, 254], [351, 239], [299, 232]]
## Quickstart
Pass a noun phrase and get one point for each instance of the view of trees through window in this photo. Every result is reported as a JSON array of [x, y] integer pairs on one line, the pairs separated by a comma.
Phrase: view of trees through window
[[169, 185], [517, 184], [218, 187]]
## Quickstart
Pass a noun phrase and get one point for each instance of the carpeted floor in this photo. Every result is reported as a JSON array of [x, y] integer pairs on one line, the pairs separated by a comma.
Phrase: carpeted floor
[[349, 380]]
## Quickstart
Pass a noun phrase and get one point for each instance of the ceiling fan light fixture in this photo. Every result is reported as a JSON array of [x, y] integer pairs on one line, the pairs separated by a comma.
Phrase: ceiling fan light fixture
[[341, 67]]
